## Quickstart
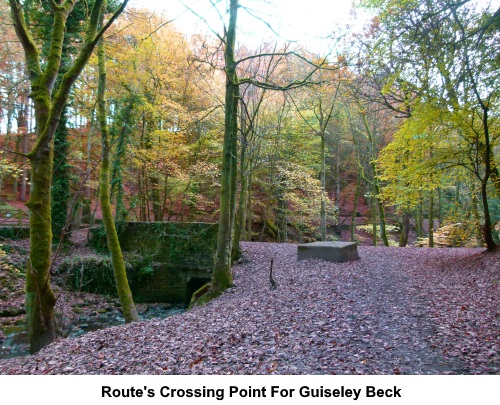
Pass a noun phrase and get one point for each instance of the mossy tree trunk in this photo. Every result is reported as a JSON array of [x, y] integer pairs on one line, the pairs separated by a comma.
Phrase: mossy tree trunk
[[49, 104], [40, 298], [23, 127], [122, 132], [374, 220], [240, 222], [61, 183], [322, 213], [125, 295], [355, 207], [222, 277]]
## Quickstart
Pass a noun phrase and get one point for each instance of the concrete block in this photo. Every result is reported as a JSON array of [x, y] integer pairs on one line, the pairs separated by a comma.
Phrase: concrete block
[[330, 251]]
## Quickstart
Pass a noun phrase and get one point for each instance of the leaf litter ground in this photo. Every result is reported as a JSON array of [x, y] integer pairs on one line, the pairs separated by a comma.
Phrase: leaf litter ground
[[394, 311]]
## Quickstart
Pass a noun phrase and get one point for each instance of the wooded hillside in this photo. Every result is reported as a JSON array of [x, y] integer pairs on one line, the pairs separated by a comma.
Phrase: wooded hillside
[[392, 138]]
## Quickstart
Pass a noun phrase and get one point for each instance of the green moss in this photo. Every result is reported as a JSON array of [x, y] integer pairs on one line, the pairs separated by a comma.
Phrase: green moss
[[184, 245], [272, 229], [204, 295], [9, 330], [162, 258], [200, 296]]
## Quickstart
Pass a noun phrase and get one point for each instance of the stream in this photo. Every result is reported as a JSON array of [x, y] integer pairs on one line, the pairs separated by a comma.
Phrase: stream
[[16, 344]]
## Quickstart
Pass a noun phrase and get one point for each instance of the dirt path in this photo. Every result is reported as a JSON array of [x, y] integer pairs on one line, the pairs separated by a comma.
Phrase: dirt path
[[392, 320]]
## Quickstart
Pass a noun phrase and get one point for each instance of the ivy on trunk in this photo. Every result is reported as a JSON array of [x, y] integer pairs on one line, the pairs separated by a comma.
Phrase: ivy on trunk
[[49, 102]]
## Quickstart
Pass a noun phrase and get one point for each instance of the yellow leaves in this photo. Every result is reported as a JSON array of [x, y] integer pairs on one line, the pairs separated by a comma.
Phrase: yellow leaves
[[452, 235], [417, 159], [369, 228], [4, 262], [206, 172], [302, 191], [9, 169]]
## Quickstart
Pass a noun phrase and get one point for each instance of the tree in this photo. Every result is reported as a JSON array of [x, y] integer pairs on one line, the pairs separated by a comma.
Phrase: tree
[[444, 54], [221, 275], [14, 103], [49, 102], [157, 109], [318, 113], [128, 307]]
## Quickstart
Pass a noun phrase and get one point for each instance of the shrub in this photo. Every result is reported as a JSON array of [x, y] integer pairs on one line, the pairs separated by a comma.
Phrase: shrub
[[94, 273]]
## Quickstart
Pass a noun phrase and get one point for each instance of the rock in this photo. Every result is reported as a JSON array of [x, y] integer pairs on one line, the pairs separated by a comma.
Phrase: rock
[[330, 251]]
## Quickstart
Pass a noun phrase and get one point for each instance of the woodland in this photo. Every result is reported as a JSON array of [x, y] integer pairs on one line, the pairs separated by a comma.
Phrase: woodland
[[111, 114]]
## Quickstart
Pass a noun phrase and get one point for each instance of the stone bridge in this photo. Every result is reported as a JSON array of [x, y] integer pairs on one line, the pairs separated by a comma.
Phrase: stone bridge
[[179, 255]]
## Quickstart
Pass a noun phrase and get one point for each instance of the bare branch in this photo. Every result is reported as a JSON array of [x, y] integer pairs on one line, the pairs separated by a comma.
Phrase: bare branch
[[290, 53], [13, 152], [261, 20], [205, 21]]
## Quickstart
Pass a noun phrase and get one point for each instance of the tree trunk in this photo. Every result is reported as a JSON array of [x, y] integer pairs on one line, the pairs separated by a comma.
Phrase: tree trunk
[[323, 188], [405, 229], [355, 206], [477, 219], [240, 223], [381, 214], [249, 213], [125, 295], [440, 206], [156, 197], [40, 299], [234, 170], [23, 193], [117, 189], [376, 188], [374, 220], [222, 277], [487, 228], [22, 124], [60, 183], [431, 220], [281, 215], [419, 221]]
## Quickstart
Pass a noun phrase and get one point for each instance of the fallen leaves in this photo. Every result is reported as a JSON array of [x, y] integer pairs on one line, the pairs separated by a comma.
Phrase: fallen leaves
[[394, 311]]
